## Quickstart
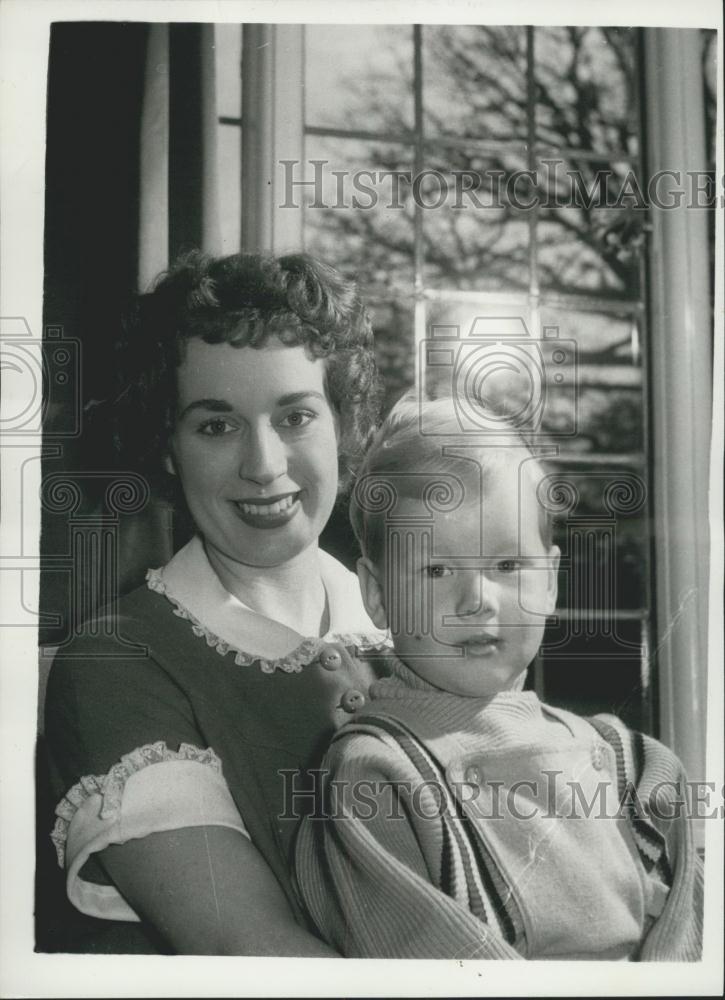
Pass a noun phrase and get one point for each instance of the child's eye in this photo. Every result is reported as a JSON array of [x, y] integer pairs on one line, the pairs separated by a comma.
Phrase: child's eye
[[508, 565], [299, 418], [216, 427], [438, 572]]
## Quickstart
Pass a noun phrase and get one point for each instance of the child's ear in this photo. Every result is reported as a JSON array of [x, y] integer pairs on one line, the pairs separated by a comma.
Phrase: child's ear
[[372, 592], [168, 464], [552, 585]]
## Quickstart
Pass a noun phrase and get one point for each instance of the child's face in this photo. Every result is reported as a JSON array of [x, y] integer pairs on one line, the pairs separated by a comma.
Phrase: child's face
[[467, 606]]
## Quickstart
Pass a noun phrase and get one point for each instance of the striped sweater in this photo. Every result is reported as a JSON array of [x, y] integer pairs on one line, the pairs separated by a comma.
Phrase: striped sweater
[[413, 856]]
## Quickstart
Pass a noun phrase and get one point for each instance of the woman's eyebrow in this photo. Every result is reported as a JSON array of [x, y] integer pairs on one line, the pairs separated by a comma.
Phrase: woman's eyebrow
[[297, 397], [215, 405], [222, 406]]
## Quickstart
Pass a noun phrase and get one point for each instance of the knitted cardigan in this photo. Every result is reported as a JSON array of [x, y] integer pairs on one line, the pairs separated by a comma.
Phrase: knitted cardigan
[[423, 884]]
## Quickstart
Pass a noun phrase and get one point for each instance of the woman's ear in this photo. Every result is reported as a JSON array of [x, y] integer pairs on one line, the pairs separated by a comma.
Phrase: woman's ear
[[168, 464], [372, 593], [552, 583]]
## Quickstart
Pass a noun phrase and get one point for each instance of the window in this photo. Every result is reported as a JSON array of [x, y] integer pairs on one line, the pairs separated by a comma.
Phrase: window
[[475, 113], [464, 172]]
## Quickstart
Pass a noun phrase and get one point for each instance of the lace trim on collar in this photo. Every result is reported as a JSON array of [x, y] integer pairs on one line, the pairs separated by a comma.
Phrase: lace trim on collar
[[292, 663]]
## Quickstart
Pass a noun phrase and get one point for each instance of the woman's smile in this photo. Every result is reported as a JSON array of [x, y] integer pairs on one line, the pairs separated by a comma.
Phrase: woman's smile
[[269, 512]]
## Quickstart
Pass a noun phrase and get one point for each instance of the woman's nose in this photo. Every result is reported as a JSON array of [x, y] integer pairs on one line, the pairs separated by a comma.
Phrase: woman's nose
[[476, 596], [264, 458]]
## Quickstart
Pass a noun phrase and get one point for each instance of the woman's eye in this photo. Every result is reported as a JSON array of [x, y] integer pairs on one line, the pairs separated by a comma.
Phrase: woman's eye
[[438, 572], [508, 565], [300, 418], [216, 427]]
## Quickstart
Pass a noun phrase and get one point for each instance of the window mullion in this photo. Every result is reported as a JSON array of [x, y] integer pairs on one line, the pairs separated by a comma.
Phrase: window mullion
[[418, 167], [272, 126]]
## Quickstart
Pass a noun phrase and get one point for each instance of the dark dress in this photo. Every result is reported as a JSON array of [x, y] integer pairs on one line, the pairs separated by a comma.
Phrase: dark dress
[[147, 683]]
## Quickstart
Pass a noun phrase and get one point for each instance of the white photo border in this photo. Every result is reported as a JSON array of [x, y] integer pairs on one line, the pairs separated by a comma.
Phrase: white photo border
[[24, 39]]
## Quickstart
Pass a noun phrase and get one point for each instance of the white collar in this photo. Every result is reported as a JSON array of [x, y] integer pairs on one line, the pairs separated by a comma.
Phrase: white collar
[[191, 584]]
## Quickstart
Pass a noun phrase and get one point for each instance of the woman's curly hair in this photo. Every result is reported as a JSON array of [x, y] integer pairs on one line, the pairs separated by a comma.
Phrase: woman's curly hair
[[243, 300]]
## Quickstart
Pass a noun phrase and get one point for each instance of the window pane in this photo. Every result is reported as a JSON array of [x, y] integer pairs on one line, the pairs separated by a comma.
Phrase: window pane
[[474, 82], [488, 316], [494, 360], [354, 228], [493, 252], [475, 238], [609, 421], [373, 245], [359, 77], [590, 421], [586, 89], [598, 673], [573, 378], [602, 534], [583, 423], [602, 339], [590, 251], [605, 572], [606, 408]]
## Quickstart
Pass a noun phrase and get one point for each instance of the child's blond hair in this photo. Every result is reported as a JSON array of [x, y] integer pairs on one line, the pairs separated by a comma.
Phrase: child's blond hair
[[401, 446]]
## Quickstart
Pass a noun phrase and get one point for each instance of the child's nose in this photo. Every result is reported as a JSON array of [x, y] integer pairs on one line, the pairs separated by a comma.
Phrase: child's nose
[[476, 595]]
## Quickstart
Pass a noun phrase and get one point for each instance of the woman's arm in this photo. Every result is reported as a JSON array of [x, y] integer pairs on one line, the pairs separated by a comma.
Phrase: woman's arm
[[205, 889], [208, 891]]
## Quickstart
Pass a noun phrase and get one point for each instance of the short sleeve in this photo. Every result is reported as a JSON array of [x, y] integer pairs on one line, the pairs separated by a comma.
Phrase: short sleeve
[[126, 760], [103, 700]]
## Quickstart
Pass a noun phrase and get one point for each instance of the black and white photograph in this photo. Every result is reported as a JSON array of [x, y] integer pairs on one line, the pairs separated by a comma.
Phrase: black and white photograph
[[362, 507]]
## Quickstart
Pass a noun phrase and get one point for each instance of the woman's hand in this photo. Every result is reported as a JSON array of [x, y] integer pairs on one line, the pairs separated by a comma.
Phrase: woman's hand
[[208, 891]]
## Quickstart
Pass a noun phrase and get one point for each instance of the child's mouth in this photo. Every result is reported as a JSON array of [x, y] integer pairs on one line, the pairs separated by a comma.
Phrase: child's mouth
[[482, 645]]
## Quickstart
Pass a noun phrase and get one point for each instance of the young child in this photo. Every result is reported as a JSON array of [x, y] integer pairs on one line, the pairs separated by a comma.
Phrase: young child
[[462, 818]]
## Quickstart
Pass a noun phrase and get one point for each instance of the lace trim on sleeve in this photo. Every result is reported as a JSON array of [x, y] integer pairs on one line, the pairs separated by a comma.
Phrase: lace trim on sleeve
[[110, 786]]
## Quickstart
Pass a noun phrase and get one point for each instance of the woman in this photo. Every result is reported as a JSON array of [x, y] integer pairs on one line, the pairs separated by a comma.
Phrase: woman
[[181, 750]]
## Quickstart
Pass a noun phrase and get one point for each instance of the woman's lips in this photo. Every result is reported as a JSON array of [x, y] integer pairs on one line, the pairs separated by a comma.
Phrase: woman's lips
[[268, 512]]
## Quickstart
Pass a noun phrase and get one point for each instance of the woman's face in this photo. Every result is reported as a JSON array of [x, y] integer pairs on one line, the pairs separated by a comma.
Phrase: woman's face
[[255, 448]]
